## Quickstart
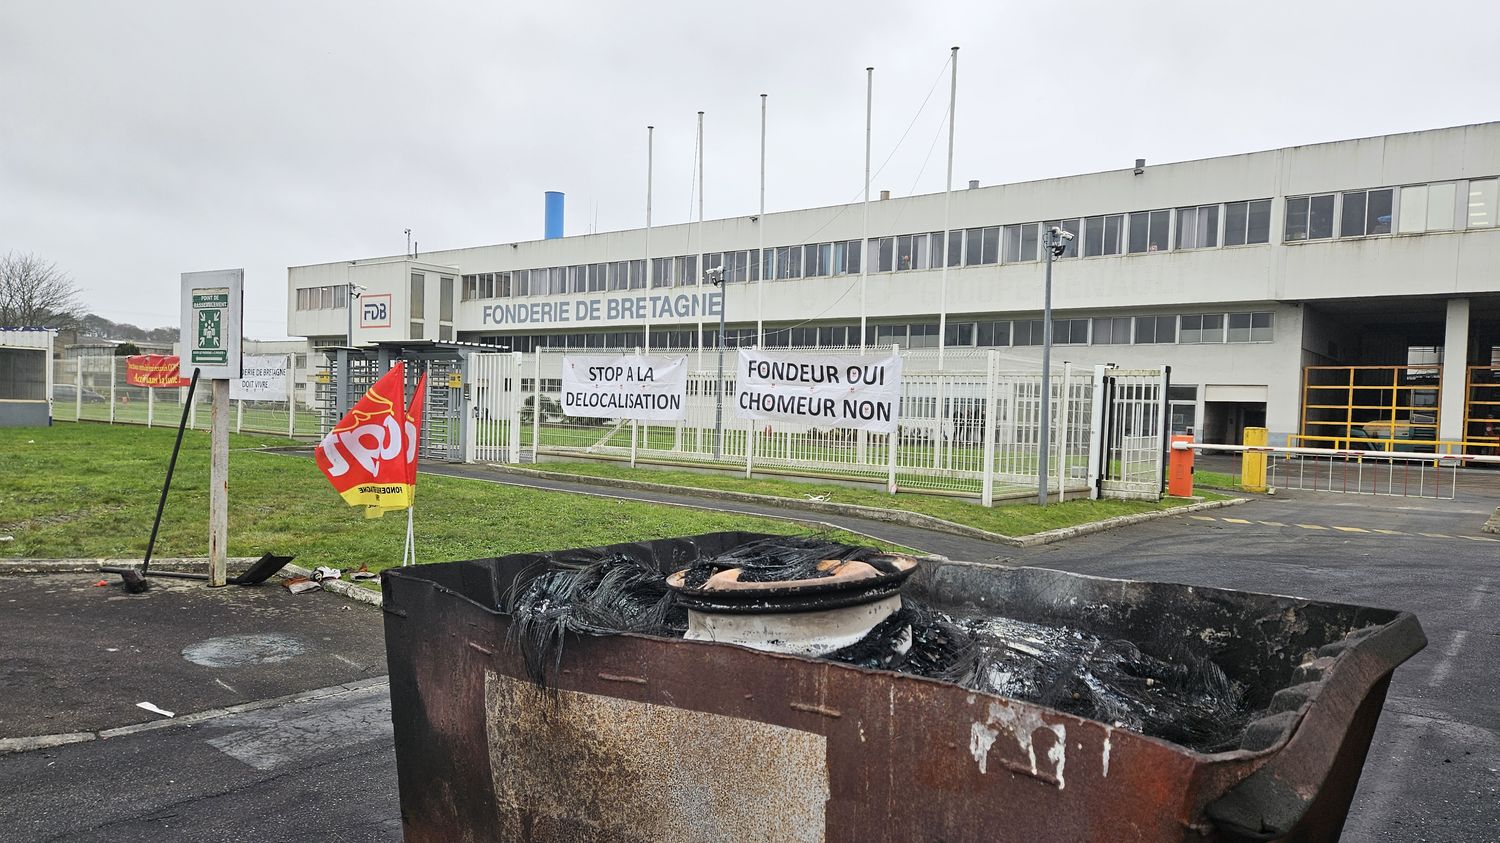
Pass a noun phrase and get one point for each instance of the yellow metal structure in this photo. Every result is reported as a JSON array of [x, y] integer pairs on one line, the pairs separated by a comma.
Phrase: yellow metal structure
[[1372, 408], [1482, 411], [1252, 465]]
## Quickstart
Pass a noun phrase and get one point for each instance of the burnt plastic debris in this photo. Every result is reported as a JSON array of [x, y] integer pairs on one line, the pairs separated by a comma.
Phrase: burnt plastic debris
[[600, 597], [1182, 697]]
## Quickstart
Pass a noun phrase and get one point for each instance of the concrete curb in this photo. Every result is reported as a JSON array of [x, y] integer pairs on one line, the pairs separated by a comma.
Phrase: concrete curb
[[908, 519], [237, 564], [1061, 533], [14, 745]]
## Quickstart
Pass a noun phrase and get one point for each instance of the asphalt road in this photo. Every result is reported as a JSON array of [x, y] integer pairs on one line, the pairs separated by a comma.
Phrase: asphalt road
[[324, 770]]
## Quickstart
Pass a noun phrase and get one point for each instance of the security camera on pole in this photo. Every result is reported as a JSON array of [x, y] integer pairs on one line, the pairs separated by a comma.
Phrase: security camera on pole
[[1055, 242], [212, 325]]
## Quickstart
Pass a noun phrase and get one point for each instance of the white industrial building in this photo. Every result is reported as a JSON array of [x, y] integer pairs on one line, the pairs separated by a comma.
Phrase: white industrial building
[[1266, 280]]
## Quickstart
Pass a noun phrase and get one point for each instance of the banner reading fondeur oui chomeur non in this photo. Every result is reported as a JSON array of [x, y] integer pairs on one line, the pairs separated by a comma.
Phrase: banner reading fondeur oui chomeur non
[[625, 386], [820, 390]]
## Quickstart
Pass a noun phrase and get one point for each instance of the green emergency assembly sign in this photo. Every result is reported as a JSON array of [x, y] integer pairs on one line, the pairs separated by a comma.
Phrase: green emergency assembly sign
[[209, 306]]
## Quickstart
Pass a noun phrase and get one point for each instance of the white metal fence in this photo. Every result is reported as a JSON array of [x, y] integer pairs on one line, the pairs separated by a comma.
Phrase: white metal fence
[[95, 389], [969, 430]]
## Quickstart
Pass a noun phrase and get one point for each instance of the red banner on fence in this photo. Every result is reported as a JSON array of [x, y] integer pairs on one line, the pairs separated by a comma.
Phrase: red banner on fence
[[154, 371]]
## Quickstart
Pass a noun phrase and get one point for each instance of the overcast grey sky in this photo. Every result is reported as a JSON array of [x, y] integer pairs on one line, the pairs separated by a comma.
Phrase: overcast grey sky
[[142, 139]]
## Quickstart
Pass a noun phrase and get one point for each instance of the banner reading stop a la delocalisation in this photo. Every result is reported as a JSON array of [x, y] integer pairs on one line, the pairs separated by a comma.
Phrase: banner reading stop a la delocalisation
[[625, 386], [861, 393]]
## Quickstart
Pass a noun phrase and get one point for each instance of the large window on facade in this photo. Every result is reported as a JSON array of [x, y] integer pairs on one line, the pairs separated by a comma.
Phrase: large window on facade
[[661, 272], [1155, 329], [1020, 243], [687, 269], [418, 296], [1428, 207], [883, 254], [445, 298], [1102, 235], [890, 334], [960, 334], [1247, 222], [1366, 212], [955, 247], [911, 251], [995, 333], [1070, 331], [923, 335], [1482, 197], [982, 246], [1207, 327], [1149, 231], [1026, 332], [1251, 327], [1309, 217], [1198, 228], [1112, 330]]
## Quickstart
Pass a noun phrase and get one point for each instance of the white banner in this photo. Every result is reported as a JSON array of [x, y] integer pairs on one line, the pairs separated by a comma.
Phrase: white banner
[[264, 379], [820, 390], [625, 386]]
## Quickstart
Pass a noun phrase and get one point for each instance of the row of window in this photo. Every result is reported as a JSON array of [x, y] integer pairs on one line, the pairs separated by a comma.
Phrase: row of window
[[1356, 213], [1139, 232], [1104, 330], [1413, 209], [323, 298]]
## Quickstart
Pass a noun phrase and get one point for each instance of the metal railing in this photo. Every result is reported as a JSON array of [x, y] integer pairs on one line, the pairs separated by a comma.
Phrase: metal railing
[[970, 433], [95, 389], [1358, 472]]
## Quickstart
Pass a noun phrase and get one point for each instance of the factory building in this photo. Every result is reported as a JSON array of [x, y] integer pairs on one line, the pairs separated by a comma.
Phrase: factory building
[[1340, 294]]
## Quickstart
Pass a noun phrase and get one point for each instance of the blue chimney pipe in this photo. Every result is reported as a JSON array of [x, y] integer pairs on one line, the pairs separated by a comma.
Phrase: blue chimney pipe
[[554, 214]]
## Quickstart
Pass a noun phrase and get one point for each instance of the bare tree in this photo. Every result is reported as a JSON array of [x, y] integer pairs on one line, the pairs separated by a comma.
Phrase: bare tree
[[35, 293]]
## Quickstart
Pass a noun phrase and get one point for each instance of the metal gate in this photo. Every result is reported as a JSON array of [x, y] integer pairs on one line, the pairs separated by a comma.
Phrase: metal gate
[[492, 394], [1130, 410], [442, 421]]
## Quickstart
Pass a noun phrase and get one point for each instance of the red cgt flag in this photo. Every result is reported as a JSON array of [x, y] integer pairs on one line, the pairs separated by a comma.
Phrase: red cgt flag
[[370, 455]]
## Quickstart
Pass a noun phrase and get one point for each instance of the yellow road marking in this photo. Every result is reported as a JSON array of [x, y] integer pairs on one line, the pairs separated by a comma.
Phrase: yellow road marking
[[1390, 532], [1351, 529], [1312, 526], [1478, 539], [1435, 535], [1273, 523], [1202, 518], [1235, 520]]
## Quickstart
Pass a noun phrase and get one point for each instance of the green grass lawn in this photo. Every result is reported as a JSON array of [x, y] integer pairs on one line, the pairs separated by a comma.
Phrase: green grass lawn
[[1014, 519], [90, 490], [1216, 479]]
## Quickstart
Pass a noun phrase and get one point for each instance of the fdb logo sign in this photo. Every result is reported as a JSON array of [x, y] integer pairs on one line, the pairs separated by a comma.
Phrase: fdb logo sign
[[375, 311]]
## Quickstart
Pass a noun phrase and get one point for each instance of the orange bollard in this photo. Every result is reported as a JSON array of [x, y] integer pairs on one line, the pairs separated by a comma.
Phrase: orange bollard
[[1180, 468]]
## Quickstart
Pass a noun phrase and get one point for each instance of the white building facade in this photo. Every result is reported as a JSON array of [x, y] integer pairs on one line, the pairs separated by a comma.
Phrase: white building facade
[[1239, 272]]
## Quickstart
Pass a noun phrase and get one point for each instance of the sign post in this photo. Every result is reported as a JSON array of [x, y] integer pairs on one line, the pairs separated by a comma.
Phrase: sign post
[[212, 317]]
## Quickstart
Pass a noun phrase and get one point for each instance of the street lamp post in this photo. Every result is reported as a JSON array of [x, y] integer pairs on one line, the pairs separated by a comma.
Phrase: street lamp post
[[1054, 241], [715, 276]]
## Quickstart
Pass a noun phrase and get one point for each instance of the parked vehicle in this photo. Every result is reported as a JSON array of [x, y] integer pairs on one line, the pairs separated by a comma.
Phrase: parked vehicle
[[68, 393]]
